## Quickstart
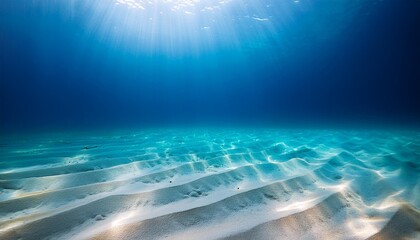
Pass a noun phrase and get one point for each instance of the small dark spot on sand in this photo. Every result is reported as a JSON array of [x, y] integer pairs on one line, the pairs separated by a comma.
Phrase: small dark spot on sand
[[89, 147], [170, 181], [412, 165], [237, 188], [338, 177]]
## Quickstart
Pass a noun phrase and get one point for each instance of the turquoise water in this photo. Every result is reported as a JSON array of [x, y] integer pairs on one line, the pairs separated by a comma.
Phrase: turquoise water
[[180, 182]]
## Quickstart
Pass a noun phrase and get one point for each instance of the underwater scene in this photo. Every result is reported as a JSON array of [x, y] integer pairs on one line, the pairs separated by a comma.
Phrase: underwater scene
[[209, 119]]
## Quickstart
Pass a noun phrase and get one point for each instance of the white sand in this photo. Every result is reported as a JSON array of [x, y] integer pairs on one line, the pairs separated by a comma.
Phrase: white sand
[[210, 185]]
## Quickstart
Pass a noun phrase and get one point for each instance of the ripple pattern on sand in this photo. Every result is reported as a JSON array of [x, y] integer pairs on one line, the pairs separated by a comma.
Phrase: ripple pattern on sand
[[211, 184]]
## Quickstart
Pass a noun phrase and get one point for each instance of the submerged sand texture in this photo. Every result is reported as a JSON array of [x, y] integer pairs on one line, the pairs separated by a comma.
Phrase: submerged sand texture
[[211, 184]]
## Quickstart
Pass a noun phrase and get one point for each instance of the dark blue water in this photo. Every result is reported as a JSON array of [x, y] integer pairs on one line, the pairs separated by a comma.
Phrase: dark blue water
[[97, 63]]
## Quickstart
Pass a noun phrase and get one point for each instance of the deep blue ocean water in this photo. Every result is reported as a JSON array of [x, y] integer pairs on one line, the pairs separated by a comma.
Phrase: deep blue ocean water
[[76, 64]]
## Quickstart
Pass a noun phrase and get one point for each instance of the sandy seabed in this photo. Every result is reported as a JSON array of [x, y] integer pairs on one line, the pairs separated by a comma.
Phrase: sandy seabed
[[211, 184]]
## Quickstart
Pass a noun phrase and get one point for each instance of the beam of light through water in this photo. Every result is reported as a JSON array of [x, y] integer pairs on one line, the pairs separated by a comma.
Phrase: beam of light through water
[[188, 27], [180, 27]]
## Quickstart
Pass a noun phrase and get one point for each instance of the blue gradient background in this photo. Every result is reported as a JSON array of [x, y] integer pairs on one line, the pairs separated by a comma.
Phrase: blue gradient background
[[332, 61]]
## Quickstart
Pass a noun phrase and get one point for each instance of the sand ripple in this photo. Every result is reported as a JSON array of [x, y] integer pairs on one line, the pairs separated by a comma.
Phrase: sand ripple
[[211, 184]]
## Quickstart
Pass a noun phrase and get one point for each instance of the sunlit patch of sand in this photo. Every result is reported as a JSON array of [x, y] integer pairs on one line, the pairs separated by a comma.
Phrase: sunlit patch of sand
[[221, 183]]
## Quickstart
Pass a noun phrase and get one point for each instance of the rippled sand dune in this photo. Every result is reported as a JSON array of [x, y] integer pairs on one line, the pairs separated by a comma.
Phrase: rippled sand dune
[[211, 184]]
